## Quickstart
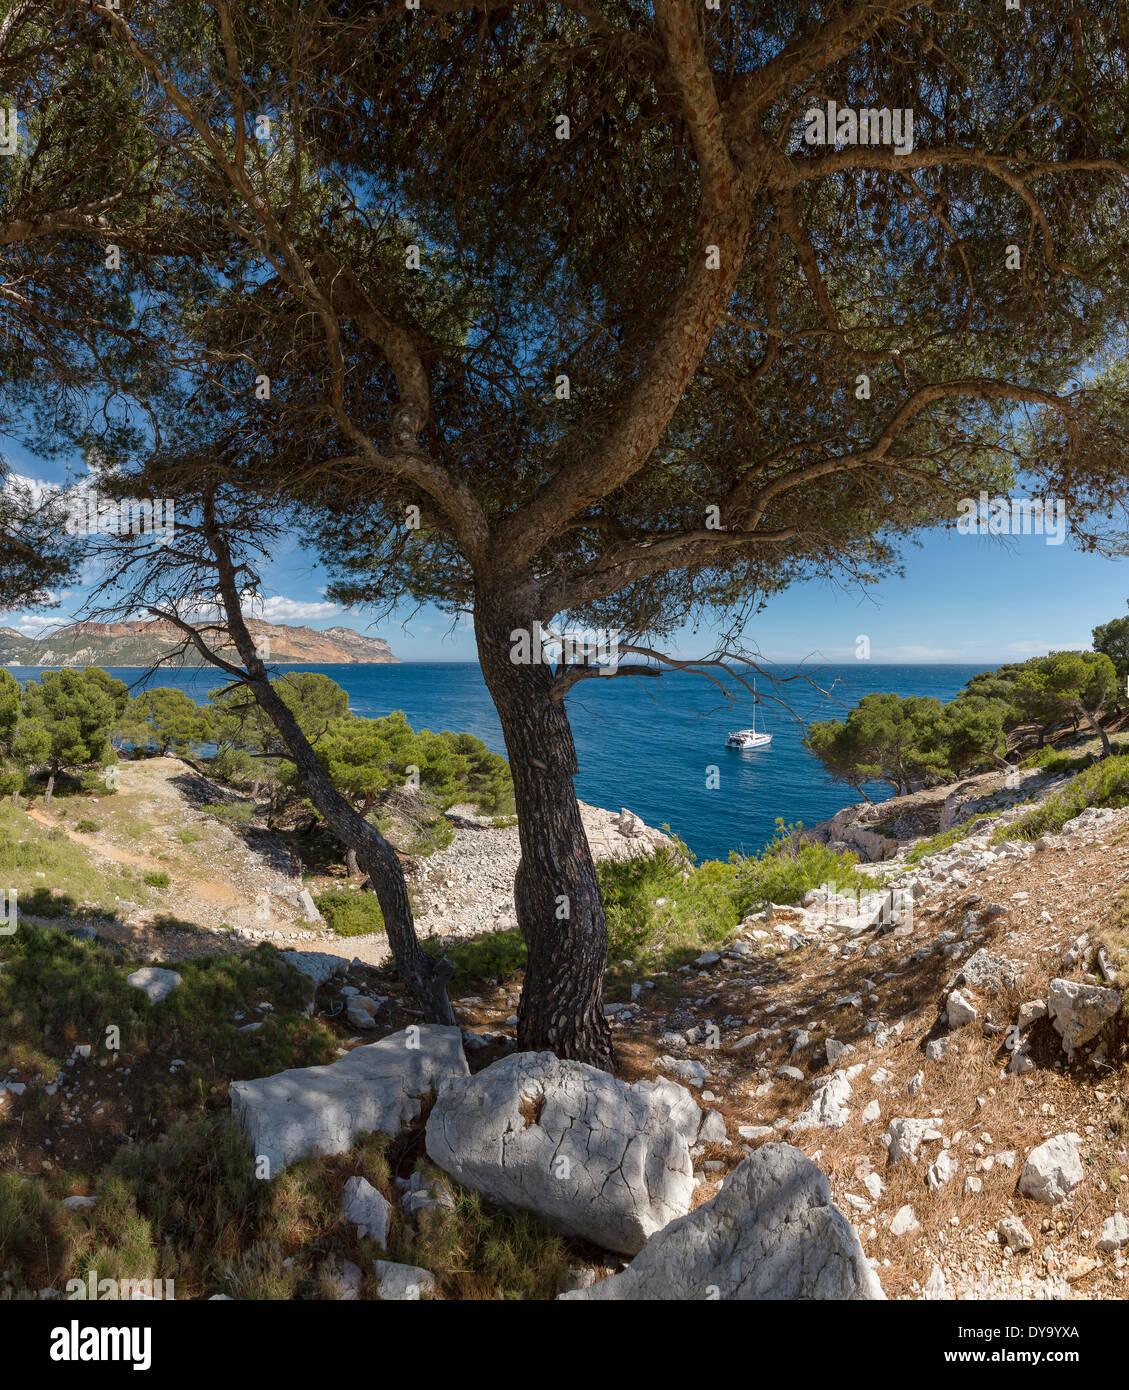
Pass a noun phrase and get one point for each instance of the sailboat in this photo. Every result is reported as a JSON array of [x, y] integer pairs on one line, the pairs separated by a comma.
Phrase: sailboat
[[749, 738]]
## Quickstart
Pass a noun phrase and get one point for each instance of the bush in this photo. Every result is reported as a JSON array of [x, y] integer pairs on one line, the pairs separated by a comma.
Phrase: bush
[[662, 911], [789, 867], [945, 838], [1104, 784], [158, 879], [351, 913], [426, 839], [233, 765], [490, 958], [86, 826], [237, 813]]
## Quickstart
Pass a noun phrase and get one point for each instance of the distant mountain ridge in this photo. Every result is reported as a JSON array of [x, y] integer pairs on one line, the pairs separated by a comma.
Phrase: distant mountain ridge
[[144, 642]]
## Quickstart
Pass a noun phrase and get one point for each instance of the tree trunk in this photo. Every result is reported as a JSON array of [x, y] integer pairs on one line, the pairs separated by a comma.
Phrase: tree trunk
[[50, 789], [556, 893], [352, 868], [1107, 749], [425, 978]]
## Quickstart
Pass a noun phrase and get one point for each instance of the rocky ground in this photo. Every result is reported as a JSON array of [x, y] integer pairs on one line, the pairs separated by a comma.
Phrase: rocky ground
[[949, 1051], [247, 884]]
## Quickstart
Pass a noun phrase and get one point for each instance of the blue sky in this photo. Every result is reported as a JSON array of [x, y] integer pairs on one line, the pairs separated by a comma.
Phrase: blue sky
[[964, 598]]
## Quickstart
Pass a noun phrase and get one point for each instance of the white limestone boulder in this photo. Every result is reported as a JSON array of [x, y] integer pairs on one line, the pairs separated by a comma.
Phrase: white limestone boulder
[[326, 1110], [590, 1155], [1079, 1011], [772, 1232], [1053, 1170], [368, 1209], [154, 982], [319, 966]]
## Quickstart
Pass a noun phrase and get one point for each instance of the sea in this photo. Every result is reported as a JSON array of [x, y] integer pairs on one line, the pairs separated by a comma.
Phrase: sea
[[655, 746]]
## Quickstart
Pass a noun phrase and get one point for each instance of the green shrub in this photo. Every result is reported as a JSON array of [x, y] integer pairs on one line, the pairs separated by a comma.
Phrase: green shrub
[[949, 837], [663, 910], [11, 780], [426, 839], [1104, 784], [86, 826], [233, 765], [351, 913], [491, 957], [237, 813], [158, 879], [791, 865]]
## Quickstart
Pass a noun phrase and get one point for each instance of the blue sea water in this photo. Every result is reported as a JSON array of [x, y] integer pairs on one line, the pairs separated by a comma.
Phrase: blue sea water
[[646, 744]]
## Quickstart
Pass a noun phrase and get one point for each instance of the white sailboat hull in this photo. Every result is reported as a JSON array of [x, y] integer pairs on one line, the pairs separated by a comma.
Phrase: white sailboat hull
[[747, 738]]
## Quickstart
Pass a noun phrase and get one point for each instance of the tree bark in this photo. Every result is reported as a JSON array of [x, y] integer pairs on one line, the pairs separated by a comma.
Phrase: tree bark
[[352, 867], [425, 978], [50, 789], [1107, 748], [556, 892]]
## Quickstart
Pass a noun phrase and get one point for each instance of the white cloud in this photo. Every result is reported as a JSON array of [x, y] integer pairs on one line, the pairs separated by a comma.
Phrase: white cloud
[[34, 625], [288, 610]]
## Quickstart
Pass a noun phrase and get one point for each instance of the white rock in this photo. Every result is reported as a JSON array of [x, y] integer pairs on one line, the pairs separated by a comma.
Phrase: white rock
[[942, 1170], [155, 983], [713, 1128], [402, 1283], [870, 1112], [361, 1012], [1079, 1011], [753, 1132], [589, 1154], [905, 1220], [1012, 1230], [991, 973], [378, 1087], [959, 1011], [905, 1136], [367, 1209], [772, 1232], [1115, 1232], [694, 1073], [1028, 1013], [827, 1108], [318, 966], [1053, 1170], [309, 907]]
